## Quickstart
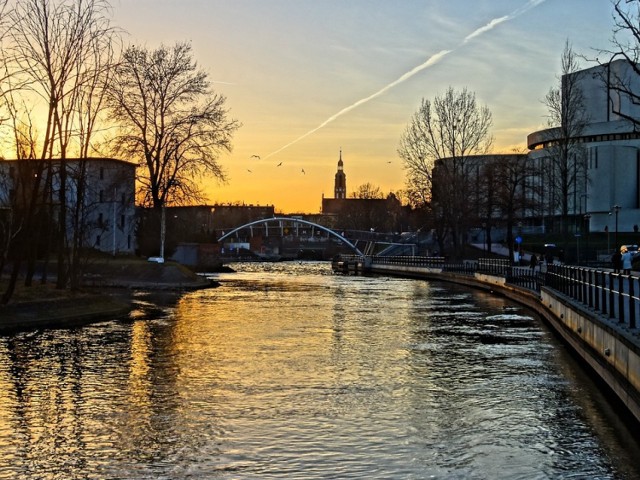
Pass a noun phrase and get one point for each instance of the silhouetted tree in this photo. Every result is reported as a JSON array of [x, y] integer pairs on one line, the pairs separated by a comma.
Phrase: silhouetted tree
[[435, 148], [367, 191], [55, 49], [625, 44], [564, 174], [170, 122]]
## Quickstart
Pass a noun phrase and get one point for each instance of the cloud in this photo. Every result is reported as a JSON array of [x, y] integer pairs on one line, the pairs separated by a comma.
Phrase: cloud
[[431, 61]]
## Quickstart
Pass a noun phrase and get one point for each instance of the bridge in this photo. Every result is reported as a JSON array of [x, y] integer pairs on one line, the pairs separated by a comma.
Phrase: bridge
[[281, 223]]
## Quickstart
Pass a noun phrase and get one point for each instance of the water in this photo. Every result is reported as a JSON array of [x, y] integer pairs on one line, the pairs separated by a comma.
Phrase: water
[[287, 371]]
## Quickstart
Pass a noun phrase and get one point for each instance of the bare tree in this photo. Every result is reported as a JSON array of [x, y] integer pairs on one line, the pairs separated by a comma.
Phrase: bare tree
[[53, 49], [565, 177], [170, 122], [620, 85], [368, 191], [515, 194], [435, 148]]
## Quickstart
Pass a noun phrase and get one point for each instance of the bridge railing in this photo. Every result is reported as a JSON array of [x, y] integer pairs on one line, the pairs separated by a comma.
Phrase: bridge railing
[[612, 294]]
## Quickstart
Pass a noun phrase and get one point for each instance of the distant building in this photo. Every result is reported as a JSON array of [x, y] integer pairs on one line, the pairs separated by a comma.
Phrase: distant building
[[340, 188], [611, 144], [377, 214], [99, 196], [206, 223]]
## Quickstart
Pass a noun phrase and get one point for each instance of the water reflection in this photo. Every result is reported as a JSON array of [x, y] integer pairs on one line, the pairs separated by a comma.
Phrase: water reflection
[[291, 372]]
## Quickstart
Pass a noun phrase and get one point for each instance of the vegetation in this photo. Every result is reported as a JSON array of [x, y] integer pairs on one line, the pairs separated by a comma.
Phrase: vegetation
[[65, 94], [169, 121], [566, 179], [435, 148]]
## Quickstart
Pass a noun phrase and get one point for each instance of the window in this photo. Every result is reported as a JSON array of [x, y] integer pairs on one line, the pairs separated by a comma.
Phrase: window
[[101, 173], [97, 240], [100, 220], [122, 221], [101, 199]]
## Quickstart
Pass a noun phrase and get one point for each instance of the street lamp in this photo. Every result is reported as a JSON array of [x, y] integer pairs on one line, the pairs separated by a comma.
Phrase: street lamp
[[587, 217], [616, 209], [484, 237]]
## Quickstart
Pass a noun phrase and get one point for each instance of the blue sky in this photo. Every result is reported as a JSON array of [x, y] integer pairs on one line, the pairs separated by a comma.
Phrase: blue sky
[[287, 67]]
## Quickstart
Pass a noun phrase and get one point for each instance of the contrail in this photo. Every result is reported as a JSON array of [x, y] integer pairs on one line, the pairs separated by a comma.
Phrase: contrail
[[432, 60]]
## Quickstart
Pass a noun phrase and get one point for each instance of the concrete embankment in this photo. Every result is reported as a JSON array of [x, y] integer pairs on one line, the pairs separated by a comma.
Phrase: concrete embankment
[[610, 349]]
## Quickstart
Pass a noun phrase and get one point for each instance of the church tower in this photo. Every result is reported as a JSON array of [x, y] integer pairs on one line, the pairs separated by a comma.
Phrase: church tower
[[340, 189]]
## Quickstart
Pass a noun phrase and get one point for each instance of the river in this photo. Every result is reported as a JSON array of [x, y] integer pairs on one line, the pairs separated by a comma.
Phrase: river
[[288, 371]]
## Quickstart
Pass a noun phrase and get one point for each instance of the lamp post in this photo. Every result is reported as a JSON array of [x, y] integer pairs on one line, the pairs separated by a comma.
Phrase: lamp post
[[587, 218], [616, 209], [484, 237]]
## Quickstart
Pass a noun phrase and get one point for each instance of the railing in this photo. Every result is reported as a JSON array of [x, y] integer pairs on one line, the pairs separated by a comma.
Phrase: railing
[[612, 294], [523, 277], [412, 261], [494, 266]]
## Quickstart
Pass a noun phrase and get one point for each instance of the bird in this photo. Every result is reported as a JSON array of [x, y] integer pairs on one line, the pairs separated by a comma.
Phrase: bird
[[279, 164], [303, 172], [389, 161], [255, 156], [249, 171]]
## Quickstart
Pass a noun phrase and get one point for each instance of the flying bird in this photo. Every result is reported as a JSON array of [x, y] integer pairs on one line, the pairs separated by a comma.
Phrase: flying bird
[[257, 157], [303, 172], [249, 171], [279, 164]]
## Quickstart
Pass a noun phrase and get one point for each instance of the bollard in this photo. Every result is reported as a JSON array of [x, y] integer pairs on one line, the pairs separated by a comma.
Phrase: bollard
[[620, 299], [611, 308], [632, 303]]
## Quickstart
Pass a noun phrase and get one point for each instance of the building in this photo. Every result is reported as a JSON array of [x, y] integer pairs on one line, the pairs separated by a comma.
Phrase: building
[[367, 214], [100, 194], [611, 149], [340, 184]]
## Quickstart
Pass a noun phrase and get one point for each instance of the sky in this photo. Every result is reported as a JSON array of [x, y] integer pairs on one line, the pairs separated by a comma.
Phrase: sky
[[310, 78]]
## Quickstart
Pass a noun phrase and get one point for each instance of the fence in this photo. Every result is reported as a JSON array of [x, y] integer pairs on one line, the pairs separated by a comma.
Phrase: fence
[[612, 294]]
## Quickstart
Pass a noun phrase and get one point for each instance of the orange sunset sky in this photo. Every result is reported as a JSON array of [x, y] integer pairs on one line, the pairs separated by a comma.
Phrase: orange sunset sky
[[307, 78]]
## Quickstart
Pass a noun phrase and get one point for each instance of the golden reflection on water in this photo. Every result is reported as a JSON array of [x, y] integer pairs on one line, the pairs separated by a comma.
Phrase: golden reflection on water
[[286, 374]]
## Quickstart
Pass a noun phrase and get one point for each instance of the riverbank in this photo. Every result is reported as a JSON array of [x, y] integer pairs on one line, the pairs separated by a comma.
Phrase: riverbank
[[106, 294]]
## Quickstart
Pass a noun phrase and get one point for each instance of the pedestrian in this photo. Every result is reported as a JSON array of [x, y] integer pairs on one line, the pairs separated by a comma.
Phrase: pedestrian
[[626, 260], [533, 262], [616, 261]]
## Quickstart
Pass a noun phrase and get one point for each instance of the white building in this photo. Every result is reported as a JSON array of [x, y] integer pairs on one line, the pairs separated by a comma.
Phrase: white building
[[105, 218], [611, 144]]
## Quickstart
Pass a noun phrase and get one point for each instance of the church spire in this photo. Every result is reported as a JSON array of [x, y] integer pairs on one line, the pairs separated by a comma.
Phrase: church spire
[[340, 189]]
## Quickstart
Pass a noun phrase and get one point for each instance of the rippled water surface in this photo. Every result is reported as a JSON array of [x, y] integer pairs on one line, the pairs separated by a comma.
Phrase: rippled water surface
[[288, 371]]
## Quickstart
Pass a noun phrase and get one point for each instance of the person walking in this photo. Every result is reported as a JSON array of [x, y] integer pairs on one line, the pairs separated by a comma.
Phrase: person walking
[[533, 262], [626, 260]]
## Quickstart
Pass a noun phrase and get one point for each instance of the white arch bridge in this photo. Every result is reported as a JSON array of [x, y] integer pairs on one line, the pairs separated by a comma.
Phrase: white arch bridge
[[281, 222]]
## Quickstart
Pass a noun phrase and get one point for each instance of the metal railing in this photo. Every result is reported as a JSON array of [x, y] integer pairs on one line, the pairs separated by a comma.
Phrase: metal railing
[[408, 260], [612, 294]]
